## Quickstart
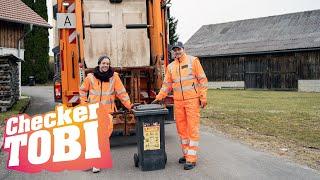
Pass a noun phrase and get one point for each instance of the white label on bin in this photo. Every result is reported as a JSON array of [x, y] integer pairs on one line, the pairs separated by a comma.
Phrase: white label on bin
[[151, 133]]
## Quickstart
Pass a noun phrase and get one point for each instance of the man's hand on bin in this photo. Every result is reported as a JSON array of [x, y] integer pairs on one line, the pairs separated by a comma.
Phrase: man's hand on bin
[[156, 101], [203, 104]]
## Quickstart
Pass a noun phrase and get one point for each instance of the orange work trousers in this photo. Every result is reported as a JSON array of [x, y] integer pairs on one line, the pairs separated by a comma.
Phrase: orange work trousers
[[104, 111], [187, 115], [110, 125]]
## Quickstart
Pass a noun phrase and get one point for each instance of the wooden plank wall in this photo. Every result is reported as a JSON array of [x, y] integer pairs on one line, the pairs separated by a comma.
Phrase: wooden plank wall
[[10, 34], [273, 71]]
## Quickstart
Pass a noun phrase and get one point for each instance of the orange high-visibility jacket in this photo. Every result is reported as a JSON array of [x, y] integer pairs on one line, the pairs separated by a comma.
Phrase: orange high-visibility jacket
[[185, 76], [104, 92]]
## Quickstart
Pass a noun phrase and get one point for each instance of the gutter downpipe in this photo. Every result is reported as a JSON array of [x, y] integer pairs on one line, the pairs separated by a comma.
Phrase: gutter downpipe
[[19, 54]]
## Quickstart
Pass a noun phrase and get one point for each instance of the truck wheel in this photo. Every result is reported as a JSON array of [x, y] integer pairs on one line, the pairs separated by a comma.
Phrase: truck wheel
[[136, 160]]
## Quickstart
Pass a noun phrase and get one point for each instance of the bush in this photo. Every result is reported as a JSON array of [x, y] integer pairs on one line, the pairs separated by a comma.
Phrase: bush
[[36, 46]]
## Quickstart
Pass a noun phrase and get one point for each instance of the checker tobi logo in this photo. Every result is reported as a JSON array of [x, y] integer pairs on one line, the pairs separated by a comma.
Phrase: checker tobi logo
[[65, 139]]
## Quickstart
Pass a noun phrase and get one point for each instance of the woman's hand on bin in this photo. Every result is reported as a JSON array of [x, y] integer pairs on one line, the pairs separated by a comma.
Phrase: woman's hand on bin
[[203, 104]]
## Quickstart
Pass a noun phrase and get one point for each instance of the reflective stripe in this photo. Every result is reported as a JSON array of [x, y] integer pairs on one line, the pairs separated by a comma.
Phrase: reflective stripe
[[91, 79], [97, 93], [106, 102], [190, 62], [184, 88], [202, 76], [83, 94], [184, 141], [192, 152], [82, 88], [194, 143], [111, 85], [167, 84], [92, 101], [106, 93], [102, 101], [112, 81], [125, 98], [191, 58], [165, 90], [170, 67], [121, 91], [202, 85], [189, 77], [94, 92], [184, 151]]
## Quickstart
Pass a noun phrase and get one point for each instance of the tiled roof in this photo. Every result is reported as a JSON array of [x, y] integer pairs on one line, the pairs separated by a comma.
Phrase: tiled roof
[[17, 11]]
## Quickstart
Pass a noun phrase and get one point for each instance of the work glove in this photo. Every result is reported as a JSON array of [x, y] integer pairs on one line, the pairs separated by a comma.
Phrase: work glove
[[156, 101], [203, 104]]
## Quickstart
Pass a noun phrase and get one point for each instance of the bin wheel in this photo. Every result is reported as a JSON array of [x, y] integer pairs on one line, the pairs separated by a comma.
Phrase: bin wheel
[[165, 158], [136, 160]]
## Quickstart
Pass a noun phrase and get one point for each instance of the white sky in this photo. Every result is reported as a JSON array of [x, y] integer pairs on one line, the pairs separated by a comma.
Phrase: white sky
[[50, 19], [192, 14]]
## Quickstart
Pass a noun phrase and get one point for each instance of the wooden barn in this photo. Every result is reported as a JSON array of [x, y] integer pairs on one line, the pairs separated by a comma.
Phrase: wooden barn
[[16, 21], [277, 52]]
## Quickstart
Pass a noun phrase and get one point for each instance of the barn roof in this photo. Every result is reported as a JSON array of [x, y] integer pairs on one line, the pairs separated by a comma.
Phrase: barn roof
[[296, 31], [18, 12]]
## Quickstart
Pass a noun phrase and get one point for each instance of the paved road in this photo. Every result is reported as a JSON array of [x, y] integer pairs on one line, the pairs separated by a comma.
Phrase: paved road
[[220, 158]]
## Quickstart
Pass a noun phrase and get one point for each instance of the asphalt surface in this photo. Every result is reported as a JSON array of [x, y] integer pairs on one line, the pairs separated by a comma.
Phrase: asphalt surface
[[219, 157]]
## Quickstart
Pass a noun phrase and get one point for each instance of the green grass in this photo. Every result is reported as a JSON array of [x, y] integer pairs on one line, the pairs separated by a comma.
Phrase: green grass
[[16, 108], [289, 116]]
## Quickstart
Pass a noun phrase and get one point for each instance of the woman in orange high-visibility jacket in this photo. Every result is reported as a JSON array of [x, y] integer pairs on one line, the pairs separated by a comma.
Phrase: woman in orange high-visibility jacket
[[102, 86], [185, 76]]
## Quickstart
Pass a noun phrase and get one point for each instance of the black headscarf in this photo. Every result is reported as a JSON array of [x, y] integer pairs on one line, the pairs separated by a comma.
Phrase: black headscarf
[[103, 76]]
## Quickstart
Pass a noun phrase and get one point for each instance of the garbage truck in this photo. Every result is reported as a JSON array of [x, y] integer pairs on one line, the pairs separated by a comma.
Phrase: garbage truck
[[133, 33]]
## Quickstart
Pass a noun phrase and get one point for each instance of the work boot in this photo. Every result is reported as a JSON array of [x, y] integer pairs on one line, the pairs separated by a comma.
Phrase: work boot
[[189, 165], [95, 170], [182, 160]]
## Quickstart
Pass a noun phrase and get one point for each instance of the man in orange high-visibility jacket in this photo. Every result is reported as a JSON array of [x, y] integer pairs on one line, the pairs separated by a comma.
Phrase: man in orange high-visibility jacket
[[185, 76], [102, 86]]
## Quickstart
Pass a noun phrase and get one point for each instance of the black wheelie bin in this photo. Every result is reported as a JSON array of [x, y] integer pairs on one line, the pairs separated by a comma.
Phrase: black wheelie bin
[[150, 137]]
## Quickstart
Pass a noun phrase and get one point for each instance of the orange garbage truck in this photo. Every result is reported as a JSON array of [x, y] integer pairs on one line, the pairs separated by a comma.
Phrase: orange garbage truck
[[133, 33]]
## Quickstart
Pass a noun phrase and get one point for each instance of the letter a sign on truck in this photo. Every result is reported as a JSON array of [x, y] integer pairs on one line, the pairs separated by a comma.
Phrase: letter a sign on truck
[[66, 20]]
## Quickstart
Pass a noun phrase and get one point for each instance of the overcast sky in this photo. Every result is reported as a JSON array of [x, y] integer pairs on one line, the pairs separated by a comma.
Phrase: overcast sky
[[192, 14]]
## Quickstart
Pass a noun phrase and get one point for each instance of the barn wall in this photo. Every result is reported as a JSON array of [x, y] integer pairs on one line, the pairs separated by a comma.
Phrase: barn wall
[[10, 34], [268, 71]]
